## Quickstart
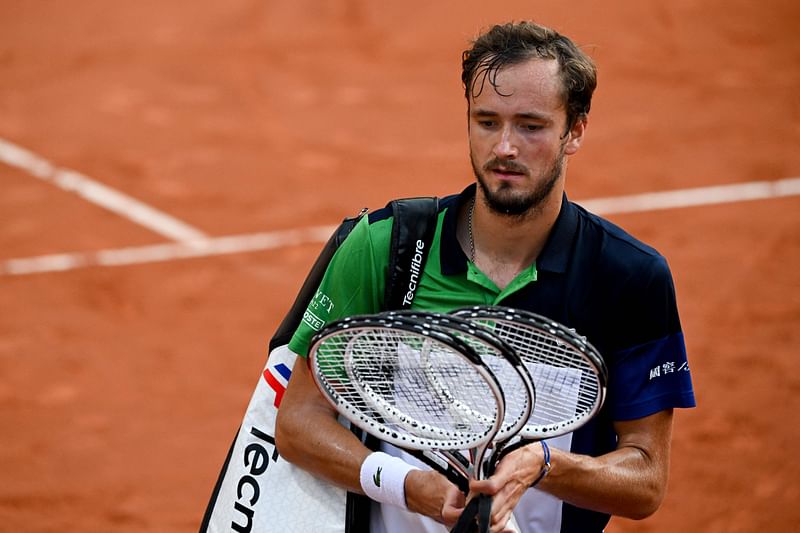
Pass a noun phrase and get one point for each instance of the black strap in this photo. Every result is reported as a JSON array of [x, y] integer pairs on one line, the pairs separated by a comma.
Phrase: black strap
[[412, 234]]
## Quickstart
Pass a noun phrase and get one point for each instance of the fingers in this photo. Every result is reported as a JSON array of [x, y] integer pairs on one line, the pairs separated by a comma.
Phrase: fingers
[[431, 494], [521, 466], [454, 503], [506, 524], [509, 471], [491, 486], [511, 479], [502, 509], [501, 519]]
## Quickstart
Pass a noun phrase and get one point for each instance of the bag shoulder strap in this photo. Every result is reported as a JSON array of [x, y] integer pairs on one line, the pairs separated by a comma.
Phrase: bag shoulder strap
[[412, 234]]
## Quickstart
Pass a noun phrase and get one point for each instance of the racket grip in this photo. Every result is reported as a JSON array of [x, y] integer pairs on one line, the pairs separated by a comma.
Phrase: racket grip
[[484, 513], [466, 522], [480, 508]]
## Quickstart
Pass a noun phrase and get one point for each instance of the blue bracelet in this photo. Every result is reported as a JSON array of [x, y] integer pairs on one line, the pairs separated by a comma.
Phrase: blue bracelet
[[545, 465]]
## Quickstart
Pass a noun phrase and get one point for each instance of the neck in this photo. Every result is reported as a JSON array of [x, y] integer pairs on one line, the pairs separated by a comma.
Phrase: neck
[[506, 245]]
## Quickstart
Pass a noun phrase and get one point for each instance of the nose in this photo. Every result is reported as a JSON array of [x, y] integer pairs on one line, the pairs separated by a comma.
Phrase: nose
[[505, 147]]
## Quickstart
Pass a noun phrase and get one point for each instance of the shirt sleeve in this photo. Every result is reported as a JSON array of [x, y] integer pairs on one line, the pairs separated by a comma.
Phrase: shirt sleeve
[[352, 285], [651, 373]]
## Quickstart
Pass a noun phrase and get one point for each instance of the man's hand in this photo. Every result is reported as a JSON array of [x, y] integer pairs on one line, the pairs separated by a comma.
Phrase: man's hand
[[629, 481], [513, 476], [431, 494]]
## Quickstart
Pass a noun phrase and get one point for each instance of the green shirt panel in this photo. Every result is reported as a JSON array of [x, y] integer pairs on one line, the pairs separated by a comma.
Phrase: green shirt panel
[[352, 284]]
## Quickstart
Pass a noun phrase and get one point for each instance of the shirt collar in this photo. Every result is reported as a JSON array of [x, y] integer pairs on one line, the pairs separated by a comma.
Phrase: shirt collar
[[555, 254], [453, 259]]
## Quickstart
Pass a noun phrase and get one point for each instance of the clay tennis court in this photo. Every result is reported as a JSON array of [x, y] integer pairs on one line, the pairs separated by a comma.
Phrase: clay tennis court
[[126, 365]]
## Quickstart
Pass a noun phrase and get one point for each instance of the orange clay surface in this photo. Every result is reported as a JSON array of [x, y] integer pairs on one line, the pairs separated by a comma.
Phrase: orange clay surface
[[121, 387]]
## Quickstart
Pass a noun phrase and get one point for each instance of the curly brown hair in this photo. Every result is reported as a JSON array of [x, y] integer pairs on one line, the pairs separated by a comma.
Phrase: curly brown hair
[[515, 42]]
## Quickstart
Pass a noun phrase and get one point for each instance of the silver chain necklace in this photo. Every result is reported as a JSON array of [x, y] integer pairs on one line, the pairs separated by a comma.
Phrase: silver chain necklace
[[469, 227]]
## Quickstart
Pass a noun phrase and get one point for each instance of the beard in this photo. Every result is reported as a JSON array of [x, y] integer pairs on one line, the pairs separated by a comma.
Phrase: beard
[[506, 200]]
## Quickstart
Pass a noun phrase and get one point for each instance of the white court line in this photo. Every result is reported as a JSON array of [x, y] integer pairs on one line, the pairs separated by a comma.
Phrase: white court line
[[99, 194], [719, 194], [167, 252], [759, 190]]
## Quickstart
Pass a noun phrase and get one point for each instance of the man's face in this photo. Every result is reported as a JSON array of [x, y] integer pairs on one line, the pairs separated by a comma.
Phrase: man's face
[[516, 137]]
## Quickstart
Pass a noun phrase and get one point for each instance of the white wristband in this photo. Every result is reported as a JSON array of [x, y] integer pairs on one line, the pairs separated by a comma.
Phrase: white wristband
[[383, 478]]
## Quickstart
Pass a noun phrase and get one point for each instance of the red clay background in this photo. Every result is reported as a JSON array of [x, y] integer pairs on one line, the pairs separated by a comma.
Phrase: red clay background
[[122, 387]]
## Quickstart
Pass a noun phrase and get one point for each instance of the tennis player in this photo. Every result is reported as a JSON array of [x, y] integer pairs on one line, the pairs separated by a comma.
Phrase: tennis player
[[514, 239]]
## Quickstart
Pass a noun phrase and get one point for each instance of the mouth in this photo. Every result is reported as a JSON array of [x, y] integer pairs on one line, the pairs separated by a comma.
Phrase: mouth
[[506, 167], [506, 173]]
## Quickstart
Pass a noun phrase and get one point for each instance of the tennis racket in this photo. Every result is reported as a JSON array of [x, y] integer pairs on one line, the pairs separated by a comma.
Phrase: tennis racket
[[570, 375], [409, 384]]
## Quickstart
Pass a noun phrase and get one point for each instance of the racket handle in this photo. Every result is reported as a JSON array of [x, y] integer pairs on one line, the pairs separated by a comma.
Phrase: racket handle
[[484, 513], [466, 522], [476, 517]]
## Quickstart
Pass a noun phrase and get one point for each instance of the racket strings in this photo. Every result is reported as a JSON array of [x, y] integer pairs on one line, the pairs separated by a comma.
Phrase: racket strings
[[413, 387], [515, 391], [567, 386]]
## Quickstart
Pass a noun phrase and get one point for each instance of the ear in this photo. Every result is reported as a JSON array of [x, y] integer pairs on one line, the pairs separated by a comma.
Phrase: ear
[[575, 135]]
